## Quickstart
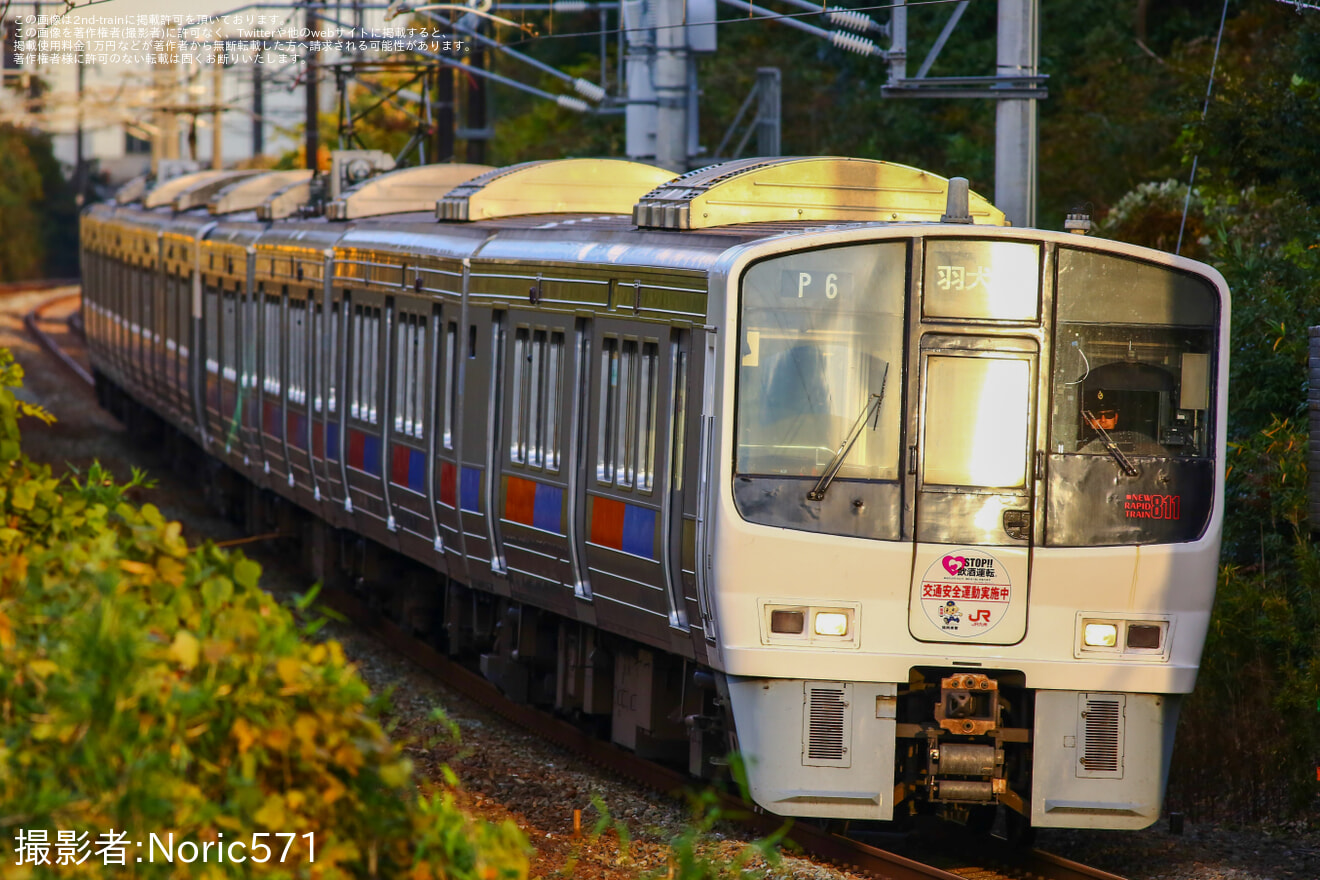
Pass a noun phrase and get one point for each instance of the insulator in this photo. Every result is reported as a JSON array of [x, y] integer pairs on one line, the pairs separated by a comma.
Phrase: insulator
[[568, 102], [570, 5], [850, 19], [853, 43], [588, 90]]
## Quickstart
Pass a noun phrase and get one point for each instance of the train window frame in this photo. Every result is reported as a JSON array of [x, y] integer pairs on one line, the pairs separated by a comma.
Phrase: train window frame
[[1134, 321]]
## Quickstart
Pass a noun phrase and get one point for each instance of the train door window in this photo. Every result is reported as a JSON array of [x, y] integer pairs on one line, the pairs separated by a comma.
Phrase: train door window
[[554, 389], [976, 421], [297, 343], [185, 323], [625, 464], [271, 336], [248, 343], [647, 380], [211, 309], [332, 360], [229, 337], [318, 338], [451, 384], [680, 417], [608, 409], [518, 422]]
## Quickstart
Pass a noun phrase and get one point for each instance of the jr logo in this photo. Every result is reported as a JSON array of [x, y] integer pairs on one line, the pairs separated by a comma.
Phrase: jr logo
[[980, 618]]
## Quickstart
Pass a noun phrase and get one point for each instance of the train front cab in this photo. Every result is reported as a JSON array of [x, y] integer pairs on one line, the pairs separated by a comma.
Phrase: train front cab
[[967, 548]]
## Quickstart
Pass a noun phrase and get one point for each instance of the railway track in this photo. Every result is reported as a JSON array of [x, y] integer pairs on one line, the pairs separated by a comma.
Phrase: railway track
[[992, 859]]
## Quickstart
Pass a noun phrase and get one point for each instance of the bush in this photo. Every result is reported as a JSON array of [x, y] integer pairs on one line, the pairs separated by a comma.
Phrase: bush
[[149, 688]]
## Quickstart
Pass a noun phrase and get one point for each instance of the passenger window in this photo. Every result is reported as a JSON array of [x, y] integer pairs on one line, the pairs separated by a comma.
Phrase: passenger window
[[626, 439], [408, 376], [366, 352], [534, 428]]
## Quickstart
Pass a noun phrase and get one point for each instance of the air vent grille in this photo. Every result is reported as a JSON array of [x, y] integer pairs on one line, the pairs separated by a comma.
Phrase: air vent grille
[[828, 725], [1101, 736]]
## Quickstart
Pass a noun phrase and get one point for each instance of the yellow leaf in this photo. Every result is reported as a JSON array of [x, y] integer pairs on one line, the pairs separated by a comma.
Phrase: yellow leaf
[[43, 668], [271, 814], [170, 571], [216, 650], [132, 567], [278, 738], [288, 669], [185, 649], [396, 774], [243, 732], [305, 728]]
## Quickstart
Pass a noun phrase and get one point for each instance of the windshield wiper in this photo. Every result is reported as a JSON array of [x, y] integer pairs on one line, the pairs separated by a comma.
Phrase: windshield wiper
[[872, 405], [1128, 467]]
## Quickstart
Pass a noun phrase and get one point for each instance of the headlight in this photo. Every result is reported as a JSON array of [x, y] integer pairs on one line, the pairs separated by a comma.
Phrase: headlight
[[831, 623], [1100, 635]]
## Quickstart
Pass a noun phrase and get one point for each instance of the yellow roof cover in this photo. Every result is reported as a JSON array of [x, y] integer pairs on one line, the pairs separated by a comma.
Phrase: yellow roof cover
[[167, 192], [246, 195], [559, 186], [200, 193], [285, 202], [823, 189], [408, 189]]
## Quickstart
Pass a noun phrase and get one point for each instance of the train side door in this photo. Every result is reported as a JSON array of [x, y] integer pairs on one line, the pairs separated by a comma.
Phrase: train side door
[[625, 495], [973, 436], [477, 476], [537, 476]]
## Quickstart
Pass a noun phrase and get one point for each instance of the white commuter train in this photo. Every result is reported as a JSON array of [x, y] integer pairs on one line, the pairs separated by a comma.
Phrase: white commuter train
[[918, 511]]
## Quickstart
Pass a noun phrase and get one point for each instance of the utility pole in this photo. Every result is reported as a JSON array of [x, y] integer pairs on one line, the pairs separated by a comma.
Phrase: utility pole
[[442, 117], [671, 85], [217, 96], [259, 102], [477, 135], [79, 162], [1016, 87], [1015, 119], [312, 135], [640, 118]]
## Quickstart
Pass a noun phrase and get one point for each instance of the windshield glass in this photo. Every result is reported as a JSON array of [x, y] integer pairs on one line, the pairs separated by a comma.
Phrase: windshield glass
[[1132, 358], [818, 330]]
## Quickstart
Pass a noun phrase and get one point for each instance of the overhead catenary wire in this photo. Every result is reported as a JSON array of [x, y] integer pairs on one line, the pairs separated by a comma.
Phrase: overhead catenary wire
[[1205, 108]]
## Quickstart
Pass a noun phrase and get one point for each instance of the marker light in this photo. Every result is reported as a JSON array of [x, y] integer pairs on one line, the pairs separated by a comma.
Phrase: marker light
[[831, 623], [1100, 635], [789, 622]]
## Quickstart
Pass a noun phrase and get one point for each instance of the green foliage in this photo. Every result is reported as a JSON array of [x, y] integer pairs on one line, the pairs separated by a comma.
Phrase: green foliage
[[1249, 736], [148, 687], [691, 856], [20, 200]]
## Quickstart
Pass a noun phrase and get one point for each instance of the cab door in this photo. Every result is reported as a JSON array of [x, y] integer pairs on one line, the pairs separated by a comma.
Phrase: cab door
[[973, 429]]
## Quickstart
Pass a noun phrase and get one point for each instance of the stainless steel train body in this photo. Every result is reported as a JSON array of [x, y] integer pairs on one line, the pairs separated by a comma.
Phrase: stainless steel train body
[[921, 515]]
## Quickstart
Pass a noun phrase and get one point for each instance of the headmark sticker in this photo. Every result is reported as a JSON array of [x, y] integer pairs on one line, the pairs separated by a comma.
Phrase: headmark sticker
[[966, 593]]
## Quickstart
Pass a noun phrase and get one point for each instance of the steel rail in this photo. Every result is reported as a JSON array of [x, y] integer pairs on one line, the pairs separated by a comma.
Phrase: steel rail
[[31, 322]]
